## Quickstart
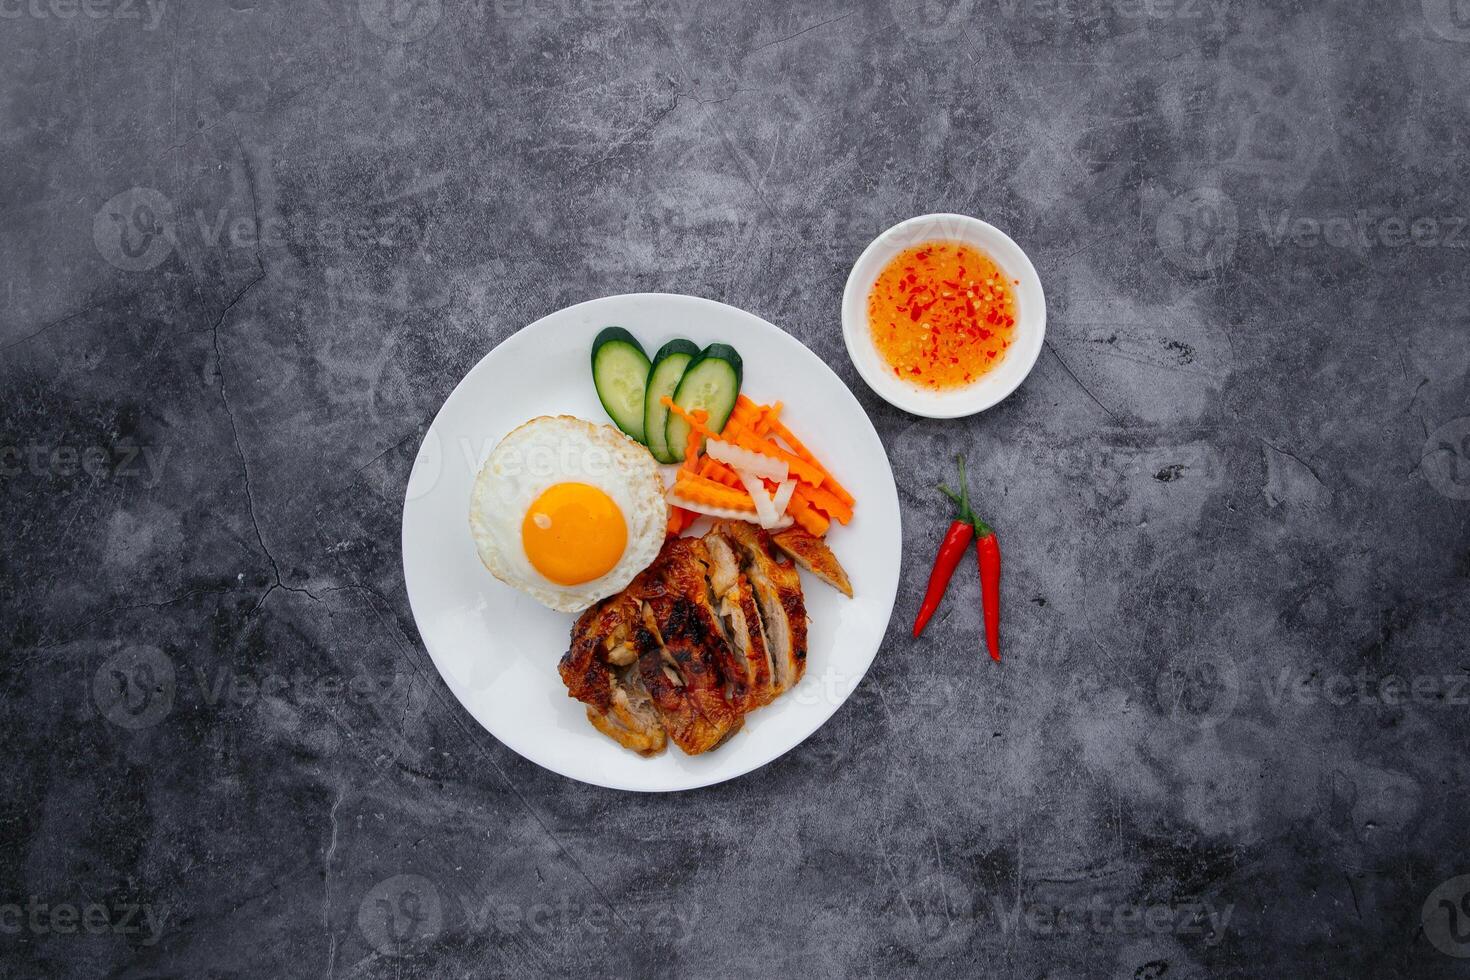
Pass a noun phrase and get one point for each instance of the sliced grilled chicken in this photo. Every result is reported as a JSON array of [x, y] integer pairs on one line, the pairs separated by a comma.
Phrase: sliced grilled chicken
[[681, 644], [714, 628], [777, 588], [812, 553], [598, 671], [584, 668], [633, 721], [735, 603]]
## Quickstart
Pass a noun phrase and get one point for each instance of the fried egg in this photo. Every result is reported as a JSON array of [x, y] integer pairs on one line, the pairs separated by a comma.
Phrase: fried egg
[[567, 511]]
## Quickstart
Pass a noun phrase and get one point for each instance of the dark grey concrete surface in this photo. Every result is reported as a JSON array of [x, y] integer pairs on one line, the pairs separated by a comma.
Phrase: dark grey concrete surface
[[248, 247]]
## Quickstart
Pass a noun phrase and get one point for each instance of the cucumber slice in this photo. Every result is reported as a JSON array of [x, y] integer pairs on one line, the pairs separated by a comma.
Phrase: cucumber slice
[[620, 372], [668, 367], [711, 382]]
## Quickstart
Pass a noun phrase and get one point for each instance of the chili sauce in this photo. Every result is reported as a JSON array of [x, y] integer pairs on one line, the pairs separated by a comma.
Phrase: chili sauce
[[942, 314]]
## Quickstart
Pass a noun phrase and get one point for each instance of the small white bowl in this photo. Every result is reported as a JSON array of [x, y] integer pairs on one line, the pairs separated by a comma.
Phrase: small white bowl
[[997, 383]]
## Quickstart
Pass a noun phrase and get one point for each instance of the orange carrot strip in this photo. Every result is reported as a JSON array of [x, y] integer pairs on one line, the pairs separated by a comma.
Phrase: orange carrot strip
[[751, 426], [694, 422], [754, 418], [749, 412], [825, 501], [746, 411], [679, 519], [751, 416], [700, 490], [709, 483], [716, 470], [807, 516], [829, 481], [695, 442], [770, 414]]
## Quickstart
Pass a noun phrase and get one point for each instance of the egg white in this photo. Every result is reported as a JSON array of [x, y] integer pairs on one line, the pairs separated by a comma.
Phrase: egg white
[[561, 449]]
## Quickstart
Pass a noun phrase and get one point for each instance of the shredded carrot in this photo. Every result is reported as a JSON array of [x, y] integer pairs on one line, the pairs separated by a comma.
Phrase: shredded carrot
[[701, 490], [825, 501], [818, 499], [695, 442], [696, 420], [764, 421]]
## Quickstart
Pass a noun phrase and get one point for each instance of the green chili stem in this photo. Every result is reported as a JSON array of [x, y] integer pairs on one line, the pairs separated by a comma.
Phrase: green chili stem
[[962, 499]]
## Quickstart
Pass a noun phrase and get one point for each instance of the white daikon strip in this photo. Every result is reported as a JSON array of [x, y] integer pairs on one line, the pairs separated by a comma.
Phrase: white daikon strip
[[724, 513], [783, 497], [765, 510], [740, 458]]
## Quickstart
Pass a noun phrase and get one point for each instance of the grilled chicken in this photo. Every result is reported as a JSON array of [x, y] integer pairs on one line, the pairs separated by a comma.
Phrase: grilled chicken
[[777, 588], [743, 630], [812, 553], [600, 670], [713, 629], [681, 649]]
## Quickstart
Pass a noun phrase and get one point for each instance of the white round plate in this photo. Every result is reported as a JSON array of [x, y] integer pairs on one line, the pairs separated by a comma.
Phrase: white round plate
[[997, 383], [497, 648]]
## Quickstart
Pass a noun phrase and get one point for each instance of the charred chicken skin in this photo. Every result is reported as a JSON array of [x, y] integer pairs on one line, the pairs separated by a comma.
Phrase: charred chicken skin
[[681, 647], [600, 670], [713, 629]]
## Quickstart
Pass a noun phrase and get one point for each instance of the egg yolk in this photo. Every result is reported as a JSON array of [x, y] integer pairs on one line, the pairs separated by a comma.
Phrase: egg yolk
[[574, 533]]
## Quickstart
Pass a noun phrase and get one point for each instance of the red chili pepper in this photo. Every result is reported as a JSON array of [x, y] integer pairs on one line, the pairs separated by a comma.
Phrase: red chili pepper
[[951, 550], [987, 549]]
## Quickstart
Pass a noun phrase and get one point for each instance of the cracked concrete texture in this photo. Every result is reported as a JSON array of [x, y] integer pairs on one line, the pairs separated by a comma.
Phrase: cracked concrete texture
[[249, 249]]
